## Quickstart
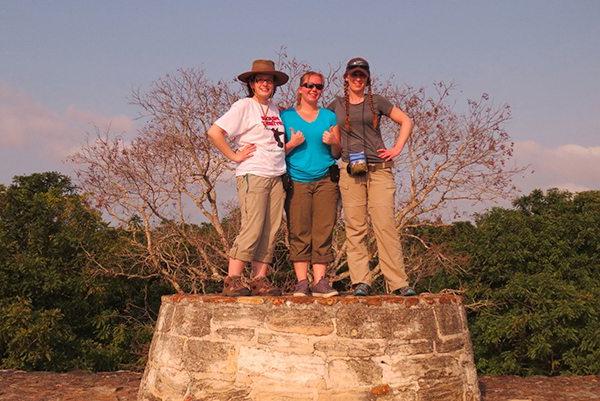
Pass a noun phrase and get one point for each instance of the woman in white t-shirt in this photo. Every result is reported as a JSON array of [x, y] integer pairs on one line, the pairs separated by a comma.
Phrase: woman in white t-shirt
[[253, 125]]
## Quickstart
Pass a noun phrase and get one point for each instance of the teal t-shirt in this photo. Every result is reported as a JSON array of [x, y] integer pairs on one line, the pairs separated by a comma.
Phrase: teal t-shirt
[[310, 161]]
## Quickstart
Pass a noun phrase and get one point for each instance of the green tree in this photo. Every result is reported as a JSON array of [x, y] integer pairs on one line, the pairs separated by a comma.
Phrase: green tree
[[55, 313], [533, 278]]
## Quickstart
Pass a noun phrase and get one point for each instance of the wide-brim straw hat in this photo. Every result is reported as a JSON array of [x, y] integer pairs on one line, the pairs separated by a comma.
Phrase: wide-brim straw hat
[[266, 67]]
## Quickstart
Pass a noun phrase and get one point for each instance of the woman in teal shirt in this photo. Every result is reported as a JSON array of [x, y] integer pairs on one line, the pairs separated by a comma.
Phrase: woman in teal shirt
[[311, 204]]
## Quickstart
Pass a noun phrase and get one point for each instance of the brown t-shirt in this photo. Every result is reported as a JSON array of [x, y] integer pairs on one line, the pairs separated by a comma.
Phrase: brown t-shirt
[[361, 136]]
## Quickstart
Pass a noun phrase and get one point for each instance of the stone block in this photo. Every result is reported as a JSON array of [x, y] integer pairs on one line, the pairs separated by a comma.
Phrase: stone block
[[350, 395], [404, 372], [239, 316], [210, 390], [450, 345], [341, 347], [211, 359], [165, 316], [399, 395], [191, 321], [449, 389], [262, 367], [448, 318], [472, 395], [171, 351], [290, 343], [235, 335], [149, 379], [390, 322], [309, 321], [282, 394], [171, 384], [396, 349], [155, 349], [367, 395], [345, 373]]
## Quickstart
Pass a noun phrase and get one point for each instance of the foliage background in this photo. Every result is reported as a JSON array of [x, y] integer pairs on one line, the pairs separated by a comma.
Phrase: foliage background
[[529, 275], [532, 283], [56, 313]]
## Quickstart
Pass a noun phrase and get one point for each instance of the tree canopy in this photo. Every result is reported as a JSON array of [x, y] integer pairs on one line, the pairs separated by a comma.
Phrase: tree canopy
[[533, 281], [55, 312]]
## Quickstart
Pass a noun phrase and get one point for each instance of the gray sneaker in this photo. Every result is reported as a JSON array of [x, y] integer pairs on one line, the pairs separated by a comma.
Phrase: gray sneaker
[[323, 290], [404, 292], [301, 289], [361, 290]]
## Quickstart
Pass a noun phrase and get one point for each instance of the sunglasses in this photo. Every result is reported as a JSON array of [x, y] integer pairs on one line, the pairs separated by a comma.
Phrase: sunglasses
[[310, 86]]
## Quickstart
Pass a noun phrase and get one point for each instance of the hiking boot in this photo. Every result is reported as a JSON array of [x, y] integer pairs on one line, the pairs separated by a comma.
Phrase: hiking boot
[[361, 290], [404, 292], [233, 286], [301, 289], [322, 289], [262, 286]]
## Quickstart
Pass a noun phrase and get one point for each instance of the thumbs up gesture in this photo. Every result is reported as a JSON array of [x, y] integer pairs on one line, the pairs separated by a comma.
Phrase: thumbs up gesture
[[297, 138], [330, 138]]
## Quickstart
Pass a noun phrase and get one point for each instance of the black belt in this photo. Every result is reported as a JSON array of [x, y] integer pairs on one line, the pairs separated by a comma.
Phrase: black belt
[[379, 166]]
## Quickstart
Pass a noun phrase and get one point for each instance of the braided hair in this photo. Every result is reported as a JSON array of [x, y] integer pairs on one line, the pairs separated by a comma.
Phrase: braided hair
[[370, 100]]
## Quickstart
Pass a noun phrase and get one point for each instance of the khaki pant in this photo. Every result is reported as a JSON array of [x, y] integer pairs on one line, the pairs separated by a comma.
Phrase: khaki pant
[[372, 196], [311, 209], [261, 207]]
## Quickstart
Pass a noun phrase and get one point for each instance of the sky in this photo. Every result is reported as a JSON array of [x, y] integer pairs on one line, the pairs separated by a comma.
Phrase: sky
[[69, 66]]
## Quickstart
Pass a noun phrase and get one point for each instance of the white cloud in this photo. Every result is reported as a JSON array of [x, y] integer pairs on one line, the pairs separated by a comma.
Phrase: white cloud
[[572, 167], [33, 137], [23, 120]]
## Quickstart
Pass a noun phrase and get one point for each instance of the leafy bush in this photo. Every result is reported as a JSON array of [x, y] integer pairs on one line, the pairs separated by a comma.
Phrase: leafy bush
[[56, 313], [533, 281]]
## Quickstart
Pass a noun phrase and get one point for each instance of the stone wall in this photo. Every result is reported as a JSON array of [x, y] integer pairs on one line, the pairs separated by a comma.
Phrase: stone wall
[[308, 349]]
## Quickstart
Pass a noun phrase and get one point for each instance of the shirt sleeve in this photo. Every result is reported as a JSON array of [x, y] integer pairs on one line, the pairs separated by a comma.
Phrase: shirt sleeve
[[383, 105], [285, 119], [331, 105], [233, 120], [332, 120]]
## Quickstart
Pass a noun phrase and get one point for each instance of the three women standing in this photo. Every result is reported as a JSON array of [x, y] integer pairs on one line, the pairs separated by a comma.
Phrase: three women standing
[[315, 138]]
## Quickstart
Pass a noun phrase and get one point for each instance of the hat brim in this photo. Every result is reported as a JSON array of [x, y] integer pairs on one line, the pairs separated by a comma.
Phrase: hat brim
[[361, 69], [279, 78]]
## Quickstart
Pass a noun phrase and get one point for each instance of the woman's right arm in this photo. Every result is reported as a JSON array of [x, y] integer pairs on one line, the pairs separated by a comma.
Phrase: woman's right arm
[[216, 135]]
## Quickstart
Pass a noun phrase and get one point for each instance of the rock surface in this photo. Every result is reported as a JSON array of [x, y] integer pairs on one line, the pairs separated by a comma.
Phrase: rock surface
[[310, 349], [123, 386]]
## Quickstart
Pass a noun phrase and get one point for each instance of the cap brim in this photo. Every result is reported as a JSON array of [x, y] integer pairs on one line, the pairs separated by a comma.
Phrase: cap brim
[[279, 78], [365, 71]]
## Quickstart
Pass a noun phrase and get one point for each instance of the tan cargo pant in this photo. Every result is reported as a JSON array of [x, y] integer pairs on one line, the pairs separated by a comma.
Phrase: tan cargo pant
[[372, 196], [261, 207]]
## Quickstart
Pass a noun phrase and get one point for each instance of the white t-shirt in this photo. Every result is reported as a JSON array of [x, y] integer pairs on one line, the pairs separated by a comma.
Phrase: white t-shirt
[[245, 123]]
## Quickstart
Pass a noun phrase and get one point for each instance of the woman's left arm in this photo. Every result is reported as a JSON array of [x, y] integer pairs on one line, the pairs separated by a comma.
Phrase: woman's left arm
[[406, 126]]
